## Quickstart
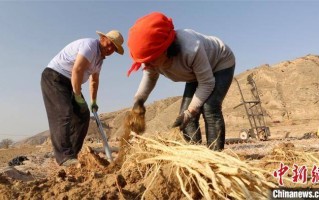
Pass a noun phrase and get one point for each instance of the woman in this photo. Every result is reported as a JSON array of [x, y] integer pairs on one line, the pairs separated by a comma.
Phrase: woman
[[204, 62]]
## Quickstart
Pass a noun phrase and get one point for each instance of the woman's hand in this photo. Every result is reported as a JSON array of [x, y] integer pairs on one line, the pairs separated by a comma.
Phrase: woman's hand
[[183, 119]]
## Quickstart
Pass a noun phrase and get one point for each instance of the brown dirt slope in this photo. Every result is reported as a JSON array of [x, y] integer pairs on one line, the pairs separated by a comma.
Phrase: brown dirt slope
[[289, 93]]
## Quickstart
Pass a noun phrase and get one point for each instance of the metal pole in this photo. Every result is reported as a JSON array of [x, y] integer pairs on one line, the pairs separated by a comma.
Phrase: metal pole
[[105, 143]]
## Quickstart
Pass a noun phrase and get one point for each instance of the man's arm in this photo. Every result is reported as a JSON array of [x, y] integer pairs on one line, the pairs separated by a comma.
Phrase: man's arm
[[80, 65], [94, 85]]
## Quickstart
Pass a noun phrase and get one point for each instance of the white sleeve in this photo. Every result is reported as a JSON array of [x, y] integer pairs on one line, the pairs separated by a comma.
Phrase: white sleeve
[[147, 84], [88, 51], [205, 78]]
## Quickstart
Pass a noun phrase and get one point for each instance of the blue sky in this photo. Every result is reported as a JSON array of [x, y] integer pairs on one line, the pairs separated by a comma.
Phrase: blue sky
[[32, 32]]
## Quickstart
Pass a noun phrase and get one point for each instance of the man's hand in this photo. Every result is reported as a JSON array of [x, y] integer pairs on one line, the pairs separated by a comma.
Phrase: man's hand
[[182, 120], [94, 106], [81, 102]]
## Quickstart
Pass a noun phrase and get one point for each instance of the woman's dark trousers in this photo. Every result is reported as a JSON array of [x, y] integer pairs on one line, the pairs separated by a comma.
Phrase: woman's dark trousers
[[211, 110], [68, 125]]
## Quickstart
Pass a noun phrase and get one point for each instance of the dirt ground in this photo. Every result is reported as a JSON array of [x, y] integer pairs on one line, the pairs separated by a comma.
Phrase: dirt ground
[[41, 178]]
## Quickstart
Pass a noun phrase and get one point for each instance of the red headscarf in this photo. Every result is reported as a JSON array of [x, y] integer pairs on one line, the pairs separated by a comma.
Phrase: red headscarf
[[149, 37]]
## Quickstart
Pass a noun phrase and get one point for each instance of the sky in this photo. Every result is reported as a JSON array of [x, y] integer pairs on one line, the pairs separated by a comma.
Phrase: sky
[[33, 32]]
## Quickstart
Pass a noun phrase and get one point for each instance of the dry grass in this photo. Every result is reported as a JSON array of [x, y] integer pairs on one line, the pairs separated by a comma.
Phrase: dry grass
[[216, 175], [286, 152], [289, 155]]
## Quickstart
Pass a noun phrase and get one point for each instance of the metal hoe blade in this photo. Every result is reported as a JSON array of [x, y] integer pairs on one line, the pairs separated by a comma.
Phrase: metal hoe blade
[[105, 143]]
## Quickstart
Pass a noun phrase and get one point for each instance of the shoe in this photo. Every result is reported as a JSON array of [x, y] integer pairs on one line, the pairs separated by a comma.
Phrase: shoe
[[70, 162]]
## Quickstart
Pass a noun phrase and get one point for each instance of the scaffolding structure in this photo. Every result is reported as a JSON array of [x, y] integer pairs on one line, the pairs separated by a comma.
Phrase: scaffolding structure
[[254, 112]]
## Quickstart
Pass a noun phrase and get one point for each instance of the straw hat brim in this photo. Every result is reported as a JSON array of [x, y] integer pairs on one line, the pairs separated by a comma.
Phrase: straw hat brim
[[119, 48]]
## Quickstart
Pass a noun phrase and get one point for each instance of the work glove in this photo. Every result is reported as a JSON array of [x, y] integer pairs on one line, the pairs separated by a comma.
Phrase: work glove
[[139, 107], [81, 102], [94, 106], [183, 119]]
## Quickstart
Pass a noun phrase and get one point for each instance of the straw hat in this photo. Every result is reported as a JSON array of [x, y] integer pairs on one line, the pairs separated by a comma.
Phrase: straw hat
[[116, 38]]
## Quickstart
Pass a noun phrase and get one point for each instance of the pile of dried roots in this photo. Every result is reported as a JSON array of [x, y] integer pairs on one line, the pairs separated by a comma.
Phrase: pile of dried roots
[[216, 175]]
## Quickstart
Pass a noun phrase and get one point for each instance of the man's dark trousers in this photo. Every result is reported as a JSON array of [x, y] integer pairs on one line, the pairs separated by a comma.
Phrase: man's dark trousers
[[67, 122]]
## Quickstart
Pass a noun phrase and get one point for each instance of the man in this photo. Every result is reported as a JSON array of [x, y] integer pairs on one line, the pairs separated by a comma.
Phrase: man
[[61, 81]]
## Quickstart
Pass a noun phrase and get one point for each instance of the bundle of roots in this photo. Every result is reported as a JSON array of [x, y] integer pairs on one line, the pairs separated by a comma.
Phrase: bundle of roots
[[216, 175], [134, 122]]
